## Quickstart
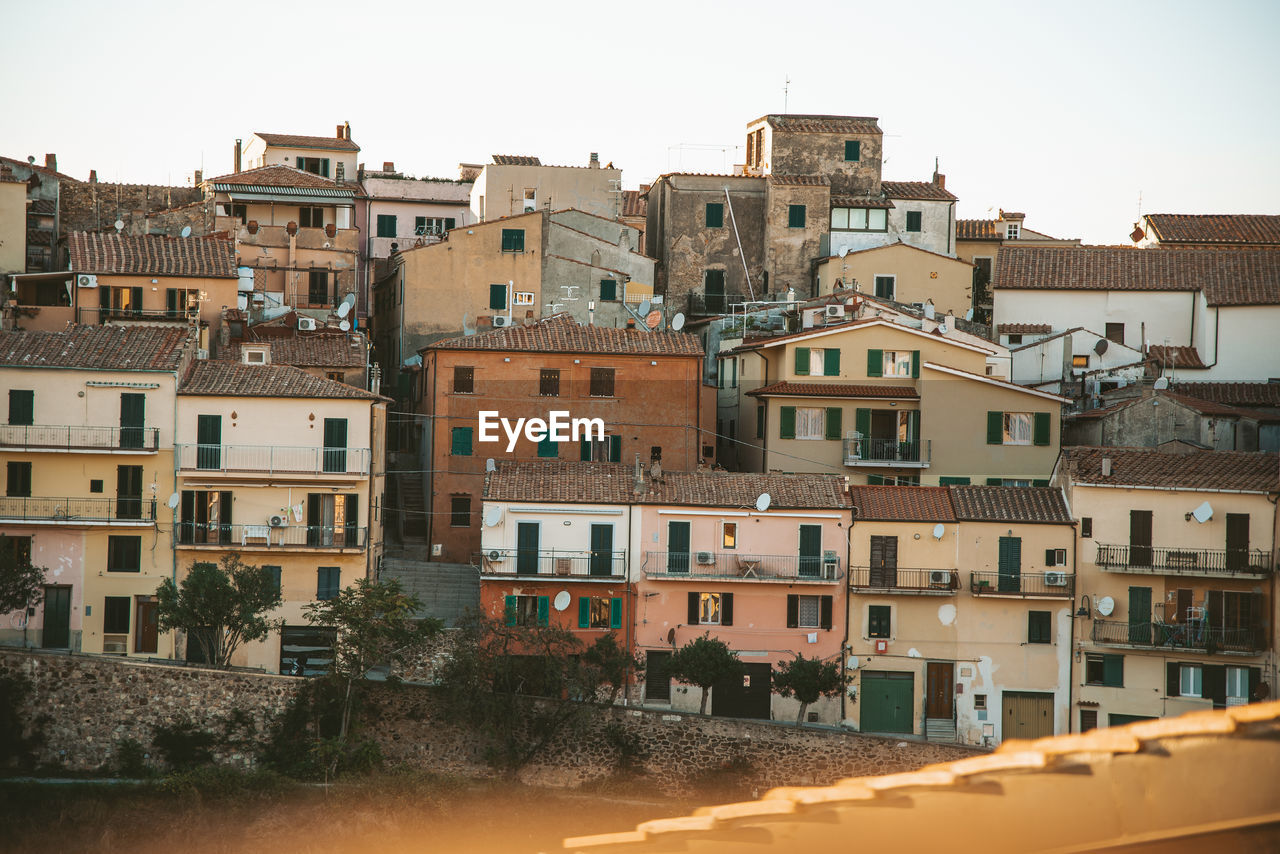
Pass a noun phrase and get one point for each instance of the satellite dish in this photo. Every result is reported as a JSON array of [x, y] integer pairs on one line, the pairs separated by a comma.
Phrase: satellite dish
[[1161, 383], [1203, 513], [644, 307], [348, 303], [186, 231], [173, 500], [677, 322], [938, 530], [763, 502], [490, 465], [1106, 605], [942, 329], [1101, 346], [344, 325], [562, 600], [852, 663], [653, 319], [119, 225], [671, 637], [492, 515]]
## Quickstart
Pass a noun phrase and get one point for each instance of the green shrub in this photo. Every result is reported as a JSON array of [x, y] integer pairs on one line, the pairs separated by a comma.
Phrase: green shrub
[[183, 745], [21, 734], [131, 760]]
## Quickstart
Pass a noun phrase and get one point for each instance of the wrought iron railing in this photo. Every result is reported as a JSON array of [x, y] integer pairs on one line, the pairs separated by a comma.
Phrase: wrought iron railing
[[705, 304], [695, 564], [905, 579], [867, 450], [271, 459], [1190, 635], [69, 437], [272, 536], [1187, 561], [552, 562], [40, 509], [1049, 583]]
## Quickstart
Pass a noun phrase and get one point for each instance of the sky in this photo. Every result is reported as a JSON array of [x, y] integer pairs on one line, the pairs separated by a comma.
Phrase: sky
[[1080, 115]]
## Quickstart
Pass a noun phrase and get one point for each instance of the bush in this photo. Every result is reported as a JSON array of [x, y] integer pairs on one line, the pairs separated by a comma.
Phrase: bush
[[184, 745], [131, 760], [21, 735]]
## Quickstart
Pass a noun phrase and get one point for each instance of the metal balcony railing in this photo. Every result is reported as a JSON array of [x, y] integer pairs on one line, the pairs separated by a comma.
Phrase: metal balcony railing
[[864, 451], [274, 537], [1191, 635], [553, 562], [65, 437], [94, 314], [40, 509], [1189, 561], [1054, 584], [272, 459], [702, 304], [904, 579], [696, 564]]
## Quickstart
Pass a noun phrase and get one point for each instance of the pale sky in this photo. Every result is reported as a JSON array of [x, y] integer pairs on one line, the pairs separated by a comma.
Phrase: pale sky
[[1066, 111]]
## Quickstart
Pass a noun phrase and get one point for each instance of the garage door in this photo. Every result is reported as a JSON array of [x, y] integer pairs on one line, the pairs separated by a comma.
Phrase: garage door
[[1027, 714], [745, 696], [886, 699]]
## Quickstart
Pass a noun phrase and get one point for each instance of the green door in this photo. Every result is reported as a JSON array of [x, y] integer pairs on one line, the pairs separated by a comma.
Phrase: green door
[[1010, 565], [601, 550], [133, 417], [335, 445], [677, 547], [129, 492], [57, 618], [886, 699], [209, 441], [1140, 615], [527, 548], [810, 551]]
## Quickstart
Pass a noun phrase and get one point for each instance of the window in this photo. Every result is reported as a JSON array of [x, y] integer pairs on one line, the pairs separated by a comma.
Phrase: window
[[1017, 428], [859, 219], [602, 382], [314, 165], [1115, 332], [460, 511], [460, 444], [1055, 557], [729, 535], [387, 225], [549, 448], [892, 480], [1190, 680], [1237, 684], [17, 550], [124, 554], [1080, 361], [898, 363], [1086, 526], [115, 615], [715, 215], [885, 286], [273, 577], [913, 220], [1088, 719], [95, 486], [522, 298], [811, 422], [22, 403], [878, 617], [513, 240], [318, 287], [1015, 340], [240, 212], [811, 361], [759, 422], [205, 517], [1011, 231], [979, 702], [1039, 625], [312, 217], [1107, 670], [852, 150], [18, 482], [809, 612], [528, 610], [333, 520], [795, 216], [497, 297], [709, 605], [530, 199], [549, 382], [464, 379], [608, 449], [608, 290], [336, 376], [599, 612], [328, 582]]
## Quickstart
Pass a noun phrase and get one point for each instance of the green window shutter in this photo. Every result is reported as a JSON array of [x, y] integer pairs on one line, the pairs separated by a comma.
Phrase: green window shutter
[[324, 167], [548, 448], [715, 215], [299, 162], [1041, 429], [461, 446], [608, 290], [787, 427], [497, 297], [584, 451], [615, 449], [831, 362], [510, 610], [875, 363], [915, 364], [759, 422], [951, 480], [852, 150], [733, 377], [615, 613], [995, 481], [834, 429], [862, 422], [584, 612], [802, 361], [1113, 671], [544, 610], [995, 428], [1039, 483], [795, 216]]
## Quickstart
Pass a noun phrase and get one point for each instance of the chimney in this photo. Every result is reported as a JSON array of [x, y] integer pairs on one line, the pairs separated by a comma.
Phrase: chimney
[[940, 180], [631, 324], [339, 132], [340, 173], [594, 163], [346, 130], [93, 176], [644, 188], [1106, 466], [51, 162], [236, 162], [388, 166], [199, 179], [638, 485]]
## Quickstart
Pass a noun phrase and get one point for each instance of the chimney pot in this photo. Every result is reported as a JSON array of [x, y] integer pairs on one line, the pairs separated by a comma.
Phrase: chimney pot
[[1106, 466], [199, 179], [346, 130], [594, 163], [388, 166], [93, 176], [339, 132], [51, 162]]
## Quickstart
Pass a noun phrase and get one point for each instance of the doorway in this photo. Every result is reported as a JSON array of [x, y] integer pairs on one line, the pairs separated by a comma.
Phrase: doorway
[[146, 625], [745, 696], [940, 690], [57, 618], [1027, 714]]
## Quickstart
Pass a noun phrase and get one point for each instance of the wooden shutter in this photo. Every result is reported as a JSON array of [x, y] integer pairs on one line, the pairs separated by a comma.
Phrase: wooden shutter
[[1214, 684], [1113, 670], [615, 613], [875, 363], [787, 423], [915, 364], [824, 610], [615, 449], [831, 362], [301, 162], [793, 611], [324, 170], [544, 610], [802, 361], [995, 428], [995, 481], [1173, 679], [1041, 428], [509, 610], [726, 609], [833, 426], [693, 609], [862, 422], [584, 612], [584, 450], [1049, 557], [1215, 609]]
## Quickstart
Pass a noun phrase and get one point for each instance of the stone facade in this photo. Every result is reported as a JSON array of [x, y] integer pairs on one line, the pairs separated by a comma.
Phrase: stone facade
[[94, 206]]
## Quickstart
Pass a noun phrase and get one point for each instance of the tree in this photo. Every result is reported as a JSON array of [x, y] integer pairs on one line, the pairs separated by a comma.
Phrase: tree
[[21, 584], [703, 662], [219, 607], [611, 664], [808, 679]]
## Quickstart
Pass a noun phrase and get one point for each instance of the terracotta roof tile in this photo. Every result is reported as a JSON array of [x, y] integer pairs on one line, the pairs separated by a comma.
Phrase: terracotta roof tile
[[561, 334], [277, 176], [152, 255], [1175, 356], [804, 389], [218, 378], [290, 140], [860, 202], [798, 123], [613, 483], [1227, 276], [46, 207], [1252, 471], [977, 229], [1010, 504], [117, 348], [924, 190], [1237, 394], [515, 160], [1226, 229], [906, 503], [1023, 329], [1208, 407], [309, 351], [634, 203], [799, 180]]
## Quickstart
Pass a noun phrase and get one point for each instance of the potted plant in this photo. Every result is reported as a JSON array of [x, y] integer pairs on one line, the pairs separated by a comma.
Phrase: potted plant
[[252, 225], [292, 228], [330, 230]]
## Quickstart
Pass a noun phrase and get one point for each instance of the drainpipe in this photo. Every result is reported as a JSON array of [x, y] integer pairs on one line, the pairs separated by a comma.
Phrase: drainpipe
[[733, 219], [173, 550], [844, 643], [1071, 637], [632, 605]]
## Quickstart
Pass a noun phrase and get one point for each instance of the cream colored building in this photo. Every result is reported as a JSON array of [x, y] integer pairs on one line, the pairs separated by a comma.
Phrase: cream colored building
[[902, 273], [327, 156], [515, 184], [13, 224], [1176, 604]]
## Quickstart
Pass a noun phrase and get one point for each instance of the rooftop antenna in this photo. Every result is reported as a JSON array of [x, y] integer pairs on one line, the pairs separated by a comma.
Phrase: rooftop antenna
[[786, 92]]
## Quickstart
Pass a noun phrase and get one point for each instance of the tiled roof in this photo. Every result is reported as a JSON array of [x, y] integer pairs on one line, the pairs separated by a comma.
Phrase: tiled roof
[[797, 123], [634, 203], [799, 180], [1227, 276], [289, 140], [116, 348], [977, 229], [1010, 504], [515, 160], [803, 389], [47, 207], [903, 503], [1023, 329], [561, 334], [152, 255], [613, 483], [217, 378], [860, 202], [37, 167], [1175, 356], [277, 176], [1225, 229], [1208, 407], [924, 190], [308, 351], [1237, 394], [1250, 471]]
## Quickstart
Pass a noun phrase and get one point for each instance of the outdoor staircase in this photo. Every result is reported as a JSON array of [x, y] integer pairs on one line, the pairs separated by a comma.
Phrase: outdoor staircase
[[446, 590], [412, 508], [940, 729]]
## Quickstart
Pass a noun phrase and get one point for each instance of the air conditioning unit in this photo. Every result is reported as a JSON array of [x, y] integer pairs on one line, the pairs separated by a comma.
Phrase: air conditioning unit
[[705, 558], [939, 578], [501, 320], [278, 521], [494, 556], [835, 310], [307, 324], [86, 280], [1055, 579], [830, 566], [564, 566]]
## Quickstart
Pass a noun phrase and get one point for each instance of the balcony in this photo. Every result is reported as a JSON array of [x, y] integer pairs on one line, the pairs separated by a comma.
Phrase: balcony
[[934, 582], [555, 563], [95, 314], [742, 567], [704, 304], [343, 239], [60, 437], [1192, 636], [198, 535], [76, 511], [272, 460], [1048, 585], [1148, 560], [888, 453]]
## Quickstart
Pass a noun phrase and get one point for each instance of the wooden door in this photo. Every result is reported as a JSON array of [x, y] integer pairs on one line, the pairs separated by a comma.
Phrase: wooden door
[[1140, 538], [133, 419], [744, 696], [677, 547], [657, 676], [57, 618], [1140, 615], [335, 445], [146, 629], [1027, 715], [128, 492], [940, 690], [1010, 564], [1237, 541], [884, 561]]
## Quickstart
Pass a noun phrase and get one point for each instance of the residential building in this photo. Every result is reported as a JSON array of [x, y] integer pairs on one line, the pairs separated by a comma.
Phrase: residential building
[[1260, 400], [326, 353], [87, 448], [1176, 580], [327, 156], [902, 273], [13, 224], [515, 184], [978, 241], [645, 386], [1208, 231], [1077, 362], [1164, 418], [960, 613], [283, 470], [1200, 314], [44, 189], [635, 204]]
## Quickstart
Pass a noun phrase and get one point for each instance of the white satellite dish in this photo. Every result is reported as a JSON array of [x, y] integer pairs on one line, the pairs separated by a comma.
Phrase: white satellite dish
[[492, 515], [677, 322], [1106, 605], [562, 600], [938, 530], [942, 329], [490, 465], [344, 324], [1161, 383], [173, 500], [763, 502], [119, 225], [643, 308], [1203, 513], [186, 231], [852, 663]]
